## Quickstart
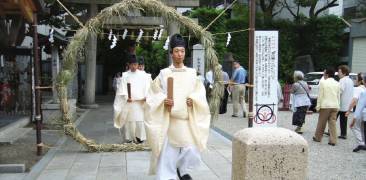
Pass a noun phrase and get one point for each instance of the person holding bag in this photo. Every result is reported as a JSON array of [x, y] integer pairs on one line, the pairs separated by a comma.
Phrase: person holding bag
[[301, 101]]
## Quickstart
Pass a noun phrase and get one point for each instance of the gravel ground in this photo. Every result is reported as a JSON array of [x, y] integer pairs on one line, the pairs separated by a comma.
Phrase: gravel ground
[[24, 149], [325, 162]]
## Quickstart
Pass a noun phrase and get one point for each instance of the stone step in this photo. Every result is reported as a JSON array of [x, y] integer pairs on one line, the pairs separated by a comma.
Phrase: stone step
[[13, 176], [13, 135], [23, 121], [12, 168]]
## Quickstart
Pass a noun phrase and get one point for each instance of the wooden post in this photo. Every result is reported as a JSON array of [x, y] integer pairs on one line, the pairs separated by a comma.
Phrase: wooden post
[[170, 90], [129, 90], [251, 58], [38, 116]]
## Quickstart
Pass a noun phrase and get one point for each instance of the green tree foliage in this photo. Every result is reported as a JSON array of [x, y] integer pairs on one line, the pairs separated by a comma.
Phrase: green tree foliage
[[313, 5], [155, 56], [239, 44], [320, 37], [205, 17], [268, 9], [323, 40], [361, 10], [288, 39], [210, 3]]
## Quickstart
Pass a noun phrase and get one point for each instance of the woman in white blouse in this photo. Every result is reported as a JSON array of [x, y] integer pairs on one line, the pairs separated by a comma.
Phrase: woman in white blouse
[[301, 101]]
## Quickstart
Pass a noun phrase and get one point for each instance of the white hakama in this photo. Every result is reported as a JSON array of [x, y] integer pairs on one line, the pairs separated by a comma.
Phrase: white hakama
[[135, 122], [173, 158], [131, 115]]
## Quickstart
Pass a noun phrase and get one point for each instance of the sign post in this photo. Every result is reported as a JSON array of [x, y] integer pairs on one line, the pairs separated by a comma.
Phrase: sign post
[[252, 7], [199, 58], [265, 79]]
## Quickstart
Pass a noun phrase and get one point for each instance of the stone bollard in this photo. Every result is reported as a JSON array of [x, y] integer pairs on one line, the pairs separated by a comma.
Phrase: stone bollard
[[269, 153]]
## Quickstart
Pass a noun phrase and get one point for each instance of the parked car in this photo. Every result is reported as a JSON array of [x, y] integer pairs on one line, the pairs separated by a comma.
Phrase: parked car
[[313, 79]]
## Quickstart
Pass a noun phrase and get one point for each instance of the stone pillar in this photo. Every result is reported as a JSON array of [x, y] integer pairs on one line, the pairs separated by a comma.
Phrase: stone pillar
[[198, 57], [88, 101], [269, 153], [55, 70], [173, 28]]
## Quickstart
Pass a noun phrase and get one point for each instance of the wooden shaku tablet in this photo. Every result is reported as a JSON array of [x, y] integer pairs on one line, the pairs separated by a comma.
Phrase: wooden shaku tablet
[[170, 89]]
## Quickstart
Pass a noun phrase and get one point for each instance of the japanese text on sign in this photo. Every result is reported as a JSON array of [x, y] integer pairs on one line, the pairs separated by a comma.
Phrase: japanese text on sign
[[265, 78]]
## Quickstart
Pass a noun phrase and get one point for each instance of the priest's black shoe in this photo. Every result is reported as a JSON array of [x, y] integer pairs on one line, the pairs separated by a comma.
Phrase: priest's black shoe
[[358, 148], [138, 140], [184, 177]]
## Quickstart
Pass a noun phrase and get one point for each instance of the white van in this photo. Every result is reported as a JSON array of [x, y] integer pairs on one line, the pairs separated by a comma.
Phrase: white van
[[313, 79]]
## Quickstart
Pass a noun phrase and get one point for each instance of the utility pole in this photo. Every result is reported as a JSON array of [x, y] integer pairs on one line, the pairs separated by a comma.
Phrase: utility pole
[[38, 116], [251, 58]]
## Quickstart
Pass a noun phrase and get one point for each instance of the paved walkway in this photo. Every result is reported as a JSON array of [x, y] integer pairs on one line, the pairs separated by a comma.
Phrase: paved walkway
[[70, 162], [325, 162]]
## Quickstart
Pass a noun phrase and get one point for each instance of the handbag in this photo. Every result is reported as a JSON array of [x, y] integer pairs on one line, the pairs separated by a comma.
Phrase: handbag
[[305, 91], [306, 94]]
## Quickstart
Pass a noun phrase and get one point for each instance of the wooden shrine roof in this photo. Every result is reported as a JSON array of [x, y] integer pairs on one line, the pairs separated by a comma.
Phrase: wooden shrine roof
[[22, 7]]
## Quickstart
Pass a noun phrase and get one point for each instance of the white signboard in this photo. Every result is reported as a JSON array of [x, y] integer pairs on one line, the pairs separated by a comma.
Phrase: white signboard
[[199, 59], [265, 78]]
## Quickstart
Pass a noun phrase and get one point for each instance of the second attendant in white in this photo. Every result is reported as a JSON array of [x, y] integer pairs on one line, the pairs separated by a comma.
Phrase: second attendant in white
[[130, 112]]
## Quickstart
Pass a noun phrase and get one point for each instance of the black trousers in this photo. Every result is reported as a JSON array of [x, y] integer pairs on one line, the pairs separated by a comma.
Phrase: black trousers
[[364, 129], [298, 117], [223, 103], [343, 122]]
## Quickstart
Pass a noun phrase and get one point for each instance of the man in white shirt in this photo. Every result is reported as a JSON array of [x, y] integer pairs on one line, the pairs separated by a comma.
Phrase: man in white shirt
[[346, 85], [358, 124]]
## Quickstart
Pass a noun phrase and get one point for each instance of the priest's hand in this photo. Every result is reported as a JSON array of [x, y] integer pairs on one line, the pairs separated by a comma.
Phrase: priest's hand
[[168, 102], [189, 102]]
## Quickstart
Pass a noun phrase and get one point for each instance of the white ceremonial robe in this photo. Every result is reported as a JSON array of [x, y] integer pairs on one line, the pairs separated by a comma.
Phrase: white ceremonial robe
[[184, 126], [173, 158], [131, 115]]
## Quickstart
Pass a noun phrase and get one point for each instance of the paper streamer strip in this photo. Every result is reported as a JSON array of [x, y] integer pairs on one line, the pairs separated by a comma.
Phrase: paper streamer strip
[[124, 34], [166, 46]]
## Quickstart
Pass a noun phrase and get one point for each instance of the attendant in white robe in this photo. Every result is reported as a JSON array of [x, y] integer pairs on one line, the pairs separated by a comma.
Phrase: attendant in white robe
[[177, 136], [130, 112]]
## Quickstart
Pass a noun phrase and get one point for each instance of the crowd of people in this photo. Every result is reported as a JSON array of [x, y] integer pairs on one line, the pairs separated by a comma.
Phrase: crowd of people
[[235, 86], [336, 100], [171, 112]]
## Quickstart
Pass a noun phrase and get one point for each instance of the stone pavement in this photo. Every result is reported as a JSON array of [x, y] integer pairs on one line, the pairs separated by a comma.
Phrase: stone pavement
[[70, 162], [325, 162]]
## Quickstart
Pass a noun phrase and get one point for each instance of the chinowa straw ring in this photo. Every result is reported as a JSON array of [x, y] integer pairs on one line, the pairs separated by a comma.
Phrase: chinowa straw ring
[[74, 53]]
